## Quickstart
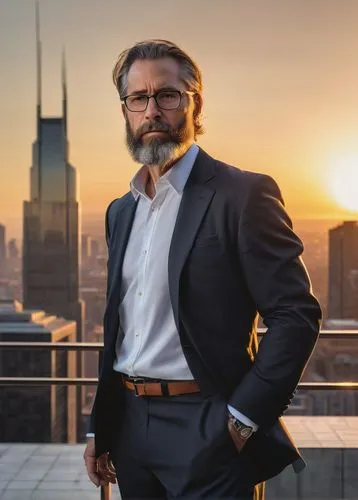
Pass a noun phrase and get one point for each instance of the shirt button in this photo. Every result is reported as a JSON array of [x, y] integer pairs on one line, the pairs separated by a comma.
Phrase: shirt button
[[145, 252], [153, 208], [140, 294]]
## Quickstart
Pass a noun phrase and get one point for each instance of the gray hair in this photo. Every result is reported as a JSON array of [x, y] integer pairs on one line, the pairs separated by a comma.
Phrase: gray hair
[[157, 49]]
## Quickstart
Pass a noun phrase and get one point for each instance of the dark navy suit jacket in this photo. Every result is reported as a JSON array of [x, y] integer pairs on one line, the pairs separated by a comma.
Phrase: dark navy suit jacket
[[233, 256]]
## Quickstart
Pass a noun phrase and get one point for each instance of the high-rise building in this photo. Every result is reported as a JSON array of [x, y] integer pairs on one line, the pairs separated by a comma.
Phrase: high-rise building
[[343, 271], [13, 249], [51, 244], [86, 248], [6, 290], [2, 246], [95, 250], [51, 228], [36, 414]]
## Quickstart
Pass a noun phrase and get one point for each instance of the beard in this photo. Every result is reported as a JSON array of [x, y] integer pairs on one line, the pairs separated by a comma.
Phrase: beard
[[157, 150]]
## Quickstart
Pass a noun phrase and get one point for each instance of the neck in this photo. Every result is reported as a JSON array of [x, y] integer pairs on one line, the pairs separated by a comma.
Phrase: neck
[[154, 173], [157, 171]]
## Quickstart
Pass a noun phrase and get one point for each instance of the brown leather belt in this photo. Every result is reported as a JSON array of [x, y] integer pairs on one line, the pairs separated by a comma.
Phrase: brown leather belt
[[145, 387]]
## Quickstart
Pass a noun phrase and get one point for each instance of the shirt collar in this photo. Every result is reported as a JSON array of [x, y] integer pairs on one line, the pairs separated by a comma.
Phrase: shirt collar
[[176, 176]]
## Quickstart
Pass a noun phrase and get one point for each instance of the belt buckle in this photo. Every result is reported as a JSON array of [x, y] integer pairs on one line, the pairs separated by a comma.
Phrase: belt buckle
[[137, 380]]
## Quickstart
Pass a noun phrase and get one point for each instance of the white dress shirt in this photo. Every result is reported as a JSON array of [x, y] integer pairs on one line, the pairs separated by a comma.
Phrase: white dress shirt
[[150, 344]]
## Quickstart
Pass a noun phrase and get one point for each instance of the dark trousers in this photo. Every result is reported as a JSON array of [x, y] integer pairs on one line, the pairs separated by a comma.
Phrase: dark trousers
[[179, 447]]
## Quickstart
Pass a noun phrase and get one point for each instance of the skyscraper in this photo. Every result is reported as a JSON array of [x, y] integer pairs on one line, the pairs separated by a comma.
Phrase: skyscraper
[[86, 248], [2, 246], [51, 243], [343, 271], [13, 249]]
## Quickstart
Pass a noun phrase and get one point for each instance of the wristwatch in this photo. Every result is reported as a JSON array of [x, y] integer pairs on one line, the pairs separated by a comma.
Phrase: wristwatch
[[244, 431]]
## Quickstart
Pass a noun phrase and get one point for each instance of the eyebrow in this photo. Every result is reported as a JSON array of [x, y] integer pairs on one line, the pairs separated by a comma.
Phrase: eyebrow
[[144, 92]]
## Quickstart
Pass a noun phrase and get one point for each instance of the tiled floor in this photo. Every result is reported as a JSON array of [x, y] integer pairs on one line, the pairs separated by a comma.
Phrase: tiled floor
[[45, 472], [56, 471]]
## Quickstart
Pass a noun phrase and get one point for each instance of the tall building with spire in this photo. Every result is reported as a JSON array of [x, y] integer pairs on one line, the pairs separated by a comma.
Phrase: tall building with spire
[[51, 229]]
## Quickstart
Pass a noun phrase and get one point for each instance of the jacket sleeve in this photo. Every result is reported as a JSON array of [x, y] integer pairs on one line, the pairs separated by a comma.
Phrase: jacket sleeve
[[270, 254], [107, 237]]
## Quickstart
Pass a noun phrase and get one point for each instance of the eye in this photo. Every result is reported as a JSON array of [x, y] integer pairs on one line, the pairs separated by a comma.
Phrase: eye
[[168, 95], [137, 99], [168, 99]]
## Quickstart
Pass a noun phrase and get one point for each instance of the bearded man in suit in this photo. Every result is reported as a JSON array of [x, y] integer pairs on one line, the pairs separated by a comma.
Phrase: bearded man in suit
[[188, 403]]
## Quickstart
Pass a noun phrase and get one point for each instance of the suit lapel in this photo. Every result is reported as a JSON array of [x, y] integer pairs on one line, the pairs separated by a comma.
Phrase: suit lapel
[[196, 199]]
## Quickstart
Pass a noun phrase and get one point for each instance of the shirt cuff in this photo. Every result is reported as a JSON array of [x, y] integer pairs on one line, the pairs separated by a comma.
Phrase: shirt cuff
[[90, 435], [245, 420]]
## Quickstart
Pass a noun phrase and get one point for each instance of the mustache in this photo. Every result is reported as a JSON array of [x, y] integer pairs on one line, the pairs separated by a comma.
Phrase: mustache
[[153, 127]]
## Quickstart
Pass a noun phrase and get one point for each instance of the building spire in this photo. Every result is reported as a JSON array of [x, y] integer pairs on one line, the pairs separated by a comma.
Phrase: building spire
[[64, 90], [38, 63]]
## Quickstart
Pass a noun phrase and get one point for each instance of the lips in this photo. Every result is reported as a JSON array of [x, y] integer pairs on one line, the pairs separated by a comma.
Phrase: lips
[[155, 132]]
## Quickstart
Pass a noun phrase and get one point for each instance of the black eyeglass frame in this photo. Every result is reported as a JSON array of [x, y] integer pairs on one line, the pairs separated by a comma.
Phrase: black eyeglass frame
[[155, 95]]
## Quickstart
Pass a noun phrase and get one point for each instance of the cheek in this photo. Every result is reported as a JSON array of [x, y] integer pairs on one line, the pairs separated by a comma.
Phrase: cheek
[[133, 123], [175, 118]]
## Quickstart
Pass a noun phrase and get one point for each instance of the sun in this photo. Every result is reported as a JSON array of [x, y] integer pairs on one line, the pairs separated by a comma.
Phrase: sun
[[344, 183]]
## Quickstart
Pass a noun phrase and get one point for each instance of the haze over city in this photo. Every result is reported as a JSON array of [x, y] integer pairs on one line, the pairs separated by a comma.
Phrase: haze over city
[[280, 93]]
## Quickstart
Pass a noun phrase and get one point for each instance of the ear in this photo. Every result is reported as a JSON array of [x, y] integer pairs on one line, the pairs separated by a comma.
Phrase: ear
[[124, 109], [198, 104]]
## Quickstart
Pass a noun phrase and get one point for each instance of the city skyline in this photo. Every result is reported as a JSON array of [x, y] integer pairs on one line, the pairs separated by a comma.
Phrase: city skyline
[[280, 98]]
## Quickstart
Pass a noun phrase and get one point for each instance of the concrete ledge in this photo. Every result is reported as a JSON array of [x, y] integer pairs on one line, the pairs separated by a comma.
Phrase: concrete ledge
[[330, 447], [331, 473]]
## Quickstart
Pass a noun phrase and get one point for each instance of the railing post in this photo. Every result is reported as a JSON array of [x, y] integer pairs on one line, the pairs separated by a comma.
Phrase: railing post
[[79, 392], [106, 492], [259, 493]]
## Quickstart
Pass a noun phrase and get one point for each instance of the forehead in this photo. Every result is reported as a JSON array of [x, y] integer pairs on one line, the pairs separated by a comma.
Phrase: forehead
[[150, 74]]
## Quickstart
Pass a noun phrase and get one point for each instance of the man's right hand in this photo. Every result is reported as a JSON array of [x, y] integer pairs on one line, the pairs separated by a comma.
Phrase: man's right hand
[[100, 471]]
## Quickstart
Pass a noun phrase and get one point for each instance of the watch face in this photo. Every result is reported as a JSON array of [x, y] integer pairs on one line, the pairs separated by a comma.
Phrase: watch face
[[246, 432]]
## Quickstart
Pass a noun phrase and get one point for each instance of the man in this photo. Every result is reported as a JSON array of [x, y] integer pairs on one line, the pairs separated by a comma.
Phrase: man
[[188, 405]]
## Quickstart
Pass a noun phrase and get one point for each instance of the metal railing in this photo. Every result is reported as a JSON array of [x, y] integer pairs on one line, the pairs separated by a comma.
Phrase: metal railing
[[98, 346], [105, 491]]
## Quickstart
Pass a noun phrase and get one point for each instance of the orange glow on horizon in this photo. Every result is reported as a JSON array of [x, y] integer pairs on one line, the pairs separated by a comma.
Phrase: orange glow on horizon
[[344, 183]]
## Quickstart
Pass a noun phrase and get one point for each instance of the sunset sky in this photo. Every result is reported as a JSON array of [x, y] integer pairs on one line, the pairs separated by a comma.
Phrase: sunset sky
[[281, 92]]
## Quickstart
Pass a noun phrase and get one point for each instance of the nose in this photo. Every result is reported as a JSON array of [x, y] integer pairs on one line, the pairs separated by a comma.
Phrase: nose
[[152, 112]]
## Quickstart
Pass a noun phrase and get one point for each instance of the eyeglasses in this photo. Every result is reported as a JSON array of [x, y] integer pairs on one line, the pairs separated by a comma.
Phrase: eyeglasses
[[165, 99]]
